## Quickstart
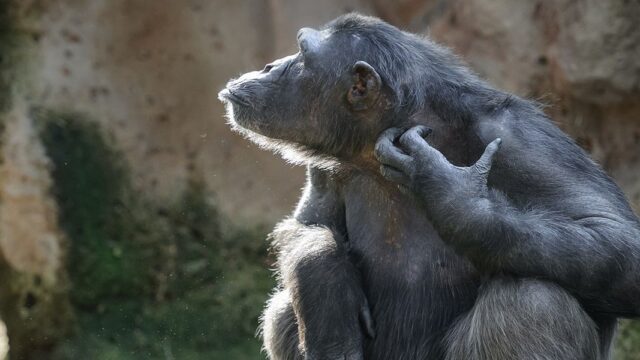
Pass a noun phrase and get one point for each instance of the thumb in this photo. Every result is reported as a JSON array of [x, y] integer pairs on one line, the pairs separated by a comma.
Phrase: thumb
[[483, 165]]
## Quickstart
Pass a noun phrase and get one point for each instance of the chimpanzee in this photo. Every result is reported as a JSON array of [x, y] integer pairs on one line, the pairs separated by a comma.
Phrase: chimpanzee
[[441, 219]]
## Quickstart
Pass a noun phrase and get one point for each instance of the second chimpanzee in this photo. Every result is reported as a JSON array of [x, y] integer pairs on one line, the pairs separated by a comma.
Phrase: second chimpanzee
[[495, 238]]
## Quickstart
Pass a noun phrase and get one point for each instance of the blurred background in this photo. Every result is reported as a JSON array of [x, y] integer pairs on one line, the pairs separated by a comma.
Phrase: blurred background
[[133, 222]]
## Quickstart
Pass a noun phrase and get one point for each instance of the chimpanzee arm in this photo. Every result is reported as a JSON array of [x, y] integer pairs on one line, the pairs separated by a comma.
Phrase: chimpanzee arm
[[574, 227], [313, 261]]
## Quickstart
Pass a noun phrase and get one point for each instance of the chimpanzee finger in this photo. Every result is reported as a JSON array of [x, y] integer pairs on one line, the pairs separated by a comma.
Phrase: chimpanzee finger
[[483, 165], [389, 154], [394, 175], [412, 141], [392, 133]]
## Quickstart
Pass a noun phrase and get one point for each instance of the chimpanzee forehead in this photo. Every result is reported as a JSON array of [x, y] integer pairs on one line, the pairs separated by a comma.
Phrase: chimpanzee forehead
[[328, 50], [338, 51]]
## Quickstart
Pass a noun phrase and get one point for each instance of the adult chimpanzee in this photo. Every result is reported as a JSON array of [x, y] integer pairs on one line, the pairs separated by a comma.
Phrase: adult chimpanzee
[[532, 258]]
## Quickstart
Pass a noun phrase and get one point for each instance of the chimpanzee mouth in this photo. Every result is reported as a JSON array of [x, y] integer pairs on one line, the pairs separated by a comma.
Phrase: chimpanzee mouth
[[228, 95], [239, 111]]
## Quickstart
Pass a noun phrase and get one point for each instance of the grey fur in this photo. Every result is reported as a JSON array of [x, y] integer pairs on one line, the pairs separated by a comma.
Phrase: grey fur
[[533, 252], [524, 319]]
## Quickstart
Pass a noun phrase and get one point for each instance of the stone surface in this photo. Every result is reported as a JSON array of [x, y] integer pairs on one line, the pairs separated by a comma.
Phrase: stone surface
[[33, 283], [4, 341], [148, 72], [577, 57], [30, 241]]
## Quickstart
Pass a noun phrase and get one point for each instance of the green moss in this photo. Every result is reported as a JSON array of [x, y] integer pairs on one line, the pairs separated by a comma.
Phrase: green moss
[[7, 45], [95, 212], [628, 341], [149, 280], [160, 281], [35, 310], [14, 44]]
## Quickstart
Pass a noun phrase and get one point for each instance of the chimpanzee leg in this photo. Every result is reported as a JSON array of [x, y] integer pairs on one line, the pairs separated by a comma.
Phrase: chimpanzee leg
[[524, 319], [280, 329]]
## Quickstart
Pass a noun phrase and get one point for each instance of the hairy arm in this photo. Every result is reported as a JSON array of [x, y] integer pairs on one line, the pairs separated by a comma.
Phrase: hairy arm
[[570, 224], [313, 263]]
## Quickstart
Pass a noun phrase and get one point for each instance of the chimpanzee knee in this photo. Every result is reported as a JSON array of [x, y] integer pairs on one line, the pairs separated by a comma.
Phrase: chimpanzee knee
[[279, 328], [524, 319]]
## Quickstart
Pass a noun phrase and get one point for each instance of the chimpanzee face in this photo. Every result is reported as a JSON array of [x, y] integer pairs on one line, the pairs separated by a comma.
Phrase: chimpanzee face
[[313, 98]]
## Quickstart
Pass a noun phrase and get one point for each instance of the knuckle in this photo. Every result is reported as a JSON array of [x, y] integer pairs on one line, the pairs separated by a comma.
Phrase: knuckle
[[394, 132], [482, 168], [390, 134], [390, 131], [378, 150], [404, 138]]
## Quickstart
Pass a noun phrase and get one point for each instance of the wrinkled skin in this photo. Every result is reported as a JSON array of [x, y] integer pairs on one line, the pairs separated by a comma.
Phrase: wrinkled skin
[[441, 219], [416, 165]]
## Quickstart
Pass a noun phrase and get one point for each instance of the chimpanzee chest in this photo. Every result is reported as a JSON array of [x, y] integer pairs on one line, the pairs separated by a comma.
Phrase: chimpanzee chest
[[416, 284]]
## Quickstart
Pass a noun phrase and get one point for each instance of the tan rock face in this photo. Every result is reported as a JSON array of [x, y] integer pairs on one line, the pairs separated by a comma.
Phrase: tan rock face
[[578, 57], [30, 240], [150, 71], [33, 281], [4, 341], [597, 49]]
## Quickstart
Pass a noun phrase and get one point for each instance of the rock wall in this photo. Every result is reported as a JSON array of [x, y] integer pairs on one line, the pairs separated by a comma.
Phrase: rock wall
[[4, 341], [147, 73], [33, 279], [578, 57], [150, 71]]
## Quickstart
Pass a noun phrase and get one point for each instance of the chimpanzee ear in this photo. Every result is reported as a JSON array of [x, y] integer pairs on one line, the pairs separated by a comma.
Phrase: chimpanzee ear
[[365, 87]]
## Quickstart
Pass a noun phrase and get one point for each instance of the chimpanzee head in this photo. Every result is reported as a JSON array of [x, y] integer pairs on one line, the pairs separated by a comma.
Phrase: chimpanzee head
[[333, 97]]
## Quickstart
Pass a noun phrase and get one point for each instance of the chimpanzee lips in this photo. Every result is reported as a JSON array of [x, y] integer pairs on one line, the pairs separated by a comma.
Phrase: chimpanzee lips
[[233, 97]]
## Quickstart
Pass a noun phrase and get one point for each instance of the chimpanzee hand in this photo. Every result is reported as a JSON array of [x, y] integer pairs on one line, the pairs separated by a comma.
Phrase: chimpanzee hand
[[338, 333], [331, 307], [417, 166], [334, 341]]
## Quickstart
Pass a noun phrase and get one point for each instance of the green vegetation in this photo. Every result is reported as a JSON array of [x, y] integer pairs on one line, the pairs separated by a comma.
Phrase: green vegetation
[[148, 280], [14, 46], [8, 44], [628, 341], [152, 281]]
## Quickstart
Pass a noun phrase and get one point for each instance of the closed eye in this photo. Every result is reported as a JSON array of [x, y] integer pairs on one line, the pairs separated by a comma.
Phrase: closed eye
[[267, 68], [286, 68]]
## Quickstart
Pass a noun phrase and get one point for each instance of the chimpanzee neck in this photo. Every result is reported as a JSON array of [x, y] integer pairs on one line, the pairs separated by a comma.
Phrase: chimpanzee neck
[[450, 107]]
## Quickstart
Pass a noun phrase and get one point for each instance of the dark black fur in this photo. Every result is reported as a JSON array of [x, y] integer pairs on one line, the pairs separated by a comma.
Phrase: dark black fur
[[534, 259]]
